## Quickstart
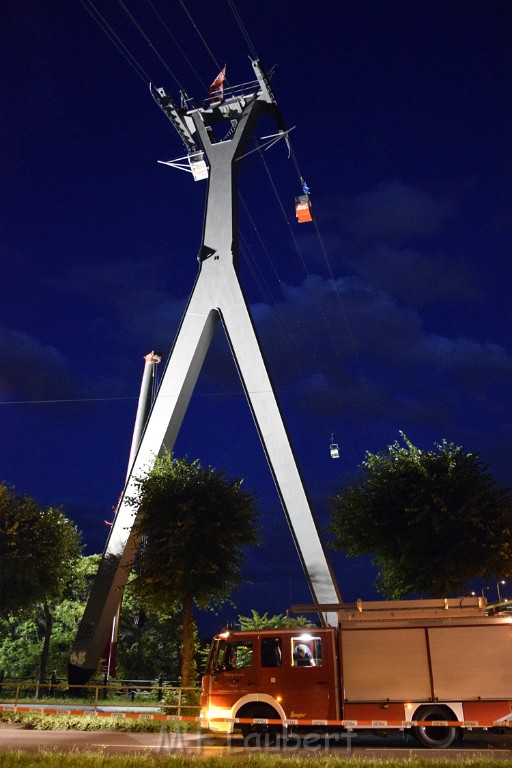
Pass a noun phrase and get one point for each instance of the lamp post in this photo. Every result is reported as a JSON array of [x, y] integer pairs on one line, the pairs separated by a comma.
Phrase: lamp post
[[498, 588]]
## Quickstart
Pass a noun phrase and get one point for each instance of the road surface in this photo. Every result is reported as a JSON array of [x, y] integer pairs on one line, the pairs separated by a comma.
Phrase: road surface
[[475, 745]]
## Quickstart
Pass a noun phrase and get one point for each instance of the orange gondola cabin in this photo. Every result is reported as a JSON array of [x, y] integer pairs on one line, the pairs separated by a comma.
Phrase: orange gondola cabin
[[303, 209]]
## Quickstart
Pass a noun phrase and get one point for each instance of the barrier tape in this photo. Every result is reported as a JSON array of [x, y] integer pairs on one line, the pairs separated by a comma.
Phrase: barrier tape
[[348, 724]]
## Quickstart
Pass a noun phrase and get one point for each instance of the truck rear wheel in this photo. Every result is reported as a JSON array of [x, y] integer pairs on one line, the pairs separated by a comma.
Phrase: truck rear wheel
[[434, 736]]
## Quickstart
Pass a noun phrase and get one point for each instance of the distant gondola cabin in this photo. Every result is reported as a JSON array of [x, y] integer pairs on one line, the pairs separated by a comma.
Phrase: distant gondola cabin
[[303, 209], [335, 451]]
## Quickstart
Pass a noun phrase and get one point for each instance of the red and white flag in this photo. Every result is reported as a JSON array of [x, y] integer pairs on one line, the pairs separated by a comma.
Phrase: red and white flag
[[217, 88]]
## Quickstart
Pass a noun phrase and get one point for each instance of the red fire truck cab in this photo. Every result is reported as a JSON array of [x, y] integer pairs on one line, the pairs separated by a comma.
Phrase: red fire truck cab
[[433, 666]]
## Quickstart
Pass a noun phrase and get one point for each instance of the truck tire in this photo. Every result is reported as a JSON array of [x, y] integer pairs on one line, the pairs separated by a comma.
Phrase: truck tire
[[269, 732], [434, 736]]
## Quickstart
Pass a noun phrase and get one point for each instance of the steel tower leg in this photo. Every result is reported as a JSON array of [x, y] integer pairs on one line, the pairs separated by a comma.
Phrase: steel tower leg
[[217, 294]]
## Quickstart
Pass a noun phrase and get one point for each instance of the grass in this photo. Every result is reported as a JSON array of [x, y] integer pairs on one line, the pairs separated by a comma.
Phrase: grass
[[38, 722], [50, 759]]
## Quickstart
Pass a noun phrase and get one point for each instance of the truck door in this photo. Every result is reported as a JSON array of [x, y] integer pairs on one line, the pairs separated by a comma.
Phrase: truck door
[[311, 690], [233, 672], [271, 674]]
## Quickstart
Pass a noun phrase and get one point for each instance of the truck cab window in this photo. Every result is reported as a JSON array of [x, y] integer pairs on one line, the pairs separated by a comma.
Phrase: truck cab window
[[271, 652], [306, 651], [232, 656]]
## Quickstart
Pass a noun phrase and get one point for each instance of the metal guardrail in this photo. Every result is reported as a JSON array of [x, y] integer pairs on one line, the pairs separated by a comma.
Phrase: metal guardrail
[[179, 700]]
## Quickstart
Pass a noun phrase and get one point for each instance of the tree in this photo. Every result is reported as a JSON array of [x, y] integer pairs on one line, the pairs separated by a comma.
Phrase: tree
[[39, 548], [149, 641], [278, 621], [433, 520], [22, 634], [194, 524]]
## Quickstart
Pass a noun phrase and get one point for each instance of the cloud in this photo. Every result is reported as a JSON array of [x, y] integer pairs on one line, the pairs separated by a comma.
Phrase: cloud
[[370, 357], [395, 212], [475, 363], [126, 296], [389, 238], [417, 278], [338, 346], [32, 370]]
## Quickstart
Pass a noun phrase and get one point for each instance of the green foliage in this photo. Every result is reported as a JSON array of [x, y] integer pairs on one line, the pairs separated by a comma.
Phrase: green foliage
[[184, 702], [39, 547], [433, 520], [180, 757], [195, 523], [149, 641], [278, 621], [22, 634], [39, 722]]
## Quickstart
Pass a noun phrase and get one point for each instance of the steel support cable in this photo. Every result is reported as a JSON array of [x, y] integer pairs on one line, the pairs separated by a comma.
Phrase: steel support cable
[[344, 315], [258, 235], [116, 40], [329, 331], [178, 46], [341, 305], [330, 269], [294, 159], [346, 322], [254, 53], [146, 38], [65, 400], [243, 30], [334, 340], [335, 287], [200, 35], [272, 301], [263, 286], [284, 214], [278, 317]]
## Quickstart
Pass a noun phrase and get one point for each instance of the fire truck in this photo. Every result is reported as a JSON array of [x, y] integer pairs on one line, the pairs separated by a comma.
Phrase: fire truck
[[430, 667]]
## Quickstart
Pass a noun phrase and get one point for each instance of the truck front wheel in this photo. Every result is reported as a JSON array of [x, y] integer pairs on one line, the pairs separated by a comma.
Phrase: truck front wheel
[[266, 733], [434, 736]]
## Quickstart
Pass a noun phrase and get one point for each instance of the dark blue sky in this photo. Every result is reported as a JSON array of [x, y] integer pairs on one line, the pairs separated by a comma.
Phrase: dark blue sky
[[392, 314]]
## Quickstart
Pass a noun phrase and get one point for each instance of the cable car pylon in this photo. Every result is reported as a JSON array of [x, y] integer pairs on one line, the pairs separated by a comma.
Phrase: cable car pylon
[[216, 296]]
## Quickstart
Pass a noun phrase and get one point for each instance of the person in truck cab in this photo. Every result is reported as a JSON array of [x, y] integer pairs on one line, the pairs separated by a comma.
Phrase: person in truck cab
[[302, 656]]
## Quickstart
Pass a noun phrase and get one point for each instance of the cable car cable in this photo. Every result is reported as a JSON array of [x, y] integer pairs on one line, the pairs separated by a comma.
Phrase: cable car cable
[[334, 339], [146, 38], [243, 30], [264, 247], [284, 215], [277, 315], [348, 326], [299, 253], [301, 179], [116, 40], [281, 322], [134, 63], [200, 35], [176, 43]]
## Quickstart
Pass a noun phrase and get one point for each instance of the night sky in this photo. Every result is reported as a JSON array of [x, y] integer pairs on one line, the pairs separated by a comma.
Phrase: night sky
[[391, 312]]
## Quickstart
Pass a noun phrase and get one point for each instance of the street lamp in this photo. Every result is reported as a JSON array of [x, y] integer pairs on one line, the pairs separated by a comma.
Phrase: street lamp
[[498, 588]]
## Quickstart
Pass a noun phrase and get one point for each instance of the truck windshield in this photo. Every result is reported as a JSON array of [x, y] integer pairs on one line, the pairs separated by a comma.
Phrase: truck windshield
[[226, 655]]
